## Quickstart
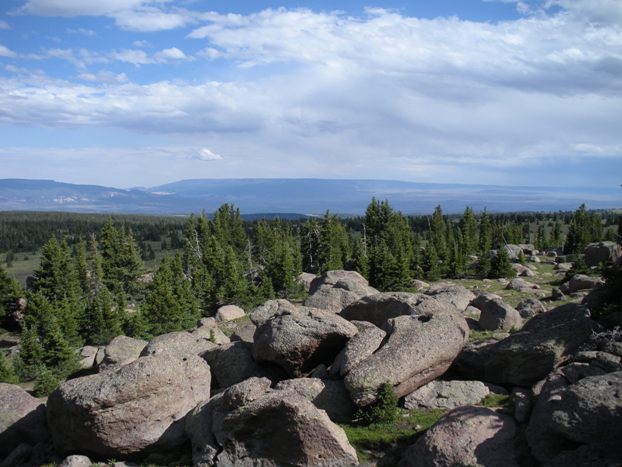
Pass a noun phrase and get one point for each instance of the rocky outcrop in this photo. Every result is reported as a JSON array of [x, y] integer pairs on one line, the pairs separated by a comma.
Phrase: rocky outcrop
[[581, 282], [446, 395], [229, 313], [474, 436], [457, 295], [602, 252], [530, 354], [22, 419], [231, 364], [328, 395], [76, 461], [177, 344], [130, 412], [335, 290], [244, 332], [304, 279], [271, 308], [417, 350], [380, 307], [122, 350], [251, 425], [579, 405], [496, 315], [361, 346], [299, 340], [87, 355], [530, 307]]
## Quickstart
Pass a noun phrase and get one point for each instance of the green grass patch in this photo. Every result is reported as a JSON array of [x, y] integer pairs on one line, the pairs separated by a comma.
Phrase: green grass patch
[[375, 440], [477, 335], [499, 401]]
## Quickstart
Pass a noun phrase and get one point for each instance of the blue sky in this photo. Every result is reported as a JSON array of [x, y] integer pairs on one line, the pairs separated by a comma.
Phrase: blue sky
[[144, 92]]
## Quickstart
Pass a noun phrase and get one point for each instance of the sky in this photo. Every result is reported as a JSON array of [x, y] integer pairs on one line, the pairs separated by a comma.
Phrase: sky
[[129, 93]]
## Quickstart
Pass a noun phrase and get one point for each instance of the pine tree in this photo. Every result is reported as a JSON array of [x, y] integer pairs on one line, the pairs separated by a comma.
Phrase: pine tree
[[7, 371], [432, 266], [55, 277], [439, 233], [500, 265], [31, 352], [10, 293], [81, 267], [468, 226], [485, 234], [121, 261]]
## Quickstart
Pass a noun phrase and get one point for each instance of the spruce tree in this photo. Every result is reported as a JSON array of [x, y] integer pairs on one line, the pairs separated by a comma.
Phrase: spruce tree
[[7, 371], [10, 293], [468, 226], [432, 266], [500, 265]]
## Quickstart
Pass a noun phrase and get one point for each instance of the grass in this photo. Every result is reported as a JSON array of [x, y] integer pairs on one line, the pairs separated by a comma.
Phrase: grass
[[377, 440]]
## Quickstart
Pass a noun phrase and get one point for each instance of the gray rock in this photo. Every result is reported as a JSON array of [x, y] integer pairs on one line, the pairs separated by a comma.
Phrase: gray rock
[[132, 411], [212, 334], [514, 251], [22, 419], [298, 341], [522, 285], [76, 461], [231, 364], [474, 436], [335, 290], [178, 344], [380, 307], [361, 346], [530, 354], [576, 406], [418, 349], [581, 282], [602, 252], [530, 307], [271, 308], [229, 313], [563, 267], [557, 295], [446, 395], [420, 285], [457, 295], [87, 356], [522, 404], [123, 350], [305, 279], [329, 395], [244, 333], [251, 425], [496, 314], [589, 455]]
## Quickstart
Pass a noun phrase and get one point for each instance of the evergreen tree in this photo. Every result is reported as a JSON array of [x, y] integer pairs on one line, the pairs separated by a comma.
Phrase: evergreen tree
[[7, 371], [432, 266], [310, 245], [438, 234], [55, 277], [81, 267], [468, 226], [10, 293], [121, 261], [500, 265], [30, 353], [557, 235], [485, 234]]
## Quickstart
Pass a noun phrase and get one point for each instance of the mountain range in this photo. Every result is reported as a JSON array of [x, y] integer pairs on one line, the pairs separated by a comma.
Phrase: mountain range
[[301, 196]]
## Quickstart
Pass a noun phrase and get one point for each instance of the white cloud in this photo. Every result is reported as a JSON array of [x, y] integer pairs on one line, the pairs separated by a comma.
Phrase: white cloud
[[6, 52], [141, 44], [171, 54], [206, 154], [136, 15], [104, 77], [4, 25]]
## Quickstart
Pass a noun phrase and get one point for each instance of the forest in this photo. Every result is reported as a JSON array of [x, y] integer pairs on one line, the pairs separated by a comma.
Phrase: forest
[[98, 277]]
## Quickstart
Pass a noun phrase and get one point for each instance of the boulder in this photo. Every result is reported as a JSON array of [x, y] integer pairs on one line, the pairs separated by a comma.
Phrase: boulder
[[335, 290], [380, 307], [231, 364], [329, 395], [602, 252], [496, 314], [305, 279], [529, 355], [514, 251], [419, 285], [522, 285], [475, 436], [530, 307], [557, 295], [131, 412], [563, 267], [87, 356], [446, 395], [457, 295], [122, 350], [361, 346], [251, 425], [418, 349], [76, 461], [581, 282], [178, 344], [299, 340], [578, 405], [271, 308], [22, 419], [229, 313], [244, 333]]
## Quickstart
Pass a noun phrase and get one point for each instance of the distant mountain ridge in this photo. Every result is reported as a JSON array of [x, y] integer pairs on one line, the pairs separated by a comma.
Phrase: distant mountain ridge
[[291, 196]]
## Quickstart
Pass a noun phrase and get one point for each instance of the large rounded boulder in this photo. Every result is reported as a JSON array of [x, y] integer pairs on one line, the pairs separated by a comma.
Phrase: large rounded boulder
[[131, 412], [418, 349], [468, 435], [22, 418], [301, 339], [335, 290], [251, 425]]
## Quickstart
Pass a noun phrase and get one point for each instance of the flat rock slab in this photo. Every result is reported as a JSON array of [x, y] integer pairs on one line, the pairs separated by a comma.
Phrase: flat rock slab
[[446, 395]]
